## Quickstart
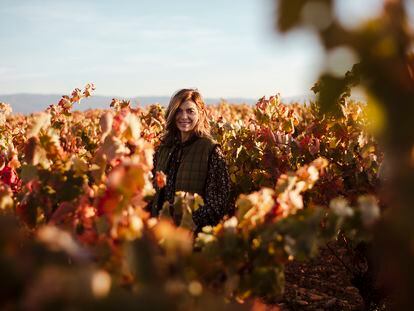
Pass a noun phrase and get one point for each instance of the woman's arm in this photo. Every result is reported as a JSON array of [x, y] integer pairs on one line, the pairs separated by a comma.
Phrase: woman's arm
[[154, 165], [148, 208], [216, 197]]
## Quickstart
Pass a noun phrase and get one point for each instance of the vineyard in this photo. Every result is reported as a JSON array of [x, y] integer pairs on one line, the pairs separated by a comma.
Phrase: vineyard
[[321, 200], [75, 228]]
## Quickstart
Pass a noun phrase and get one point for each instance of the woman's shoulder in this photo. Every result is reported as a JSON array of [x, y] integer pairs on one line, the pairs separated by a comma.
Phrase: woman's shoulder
[[217, 152], [161, 148], [208, 141], [166, 144], [212, 147], [157, 148]]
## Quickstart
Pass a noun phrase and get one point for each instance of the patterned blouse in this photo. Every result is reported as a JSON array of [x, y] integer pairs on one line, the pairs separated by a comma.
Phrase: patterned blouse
[[217, 189]]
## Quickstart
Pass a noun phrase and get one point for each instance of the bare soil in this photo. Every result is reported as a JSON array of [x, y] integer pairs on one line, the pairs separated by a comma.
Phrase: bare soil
[[323, 283]]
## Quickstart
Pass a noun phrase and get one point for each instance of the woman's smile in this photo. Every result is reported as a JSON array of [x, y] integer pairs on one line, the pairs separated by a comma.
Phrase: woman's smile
[[185, 123]]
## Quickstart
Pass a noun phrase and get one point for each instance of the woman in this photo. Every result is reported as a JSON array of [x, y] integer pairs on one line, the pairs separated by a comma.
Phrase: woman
[[191, 160]]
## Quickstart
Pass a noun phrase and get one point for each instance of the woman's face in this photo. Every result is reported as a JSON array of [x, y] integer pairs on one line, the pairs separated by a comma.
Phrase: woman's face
[[186, 117]]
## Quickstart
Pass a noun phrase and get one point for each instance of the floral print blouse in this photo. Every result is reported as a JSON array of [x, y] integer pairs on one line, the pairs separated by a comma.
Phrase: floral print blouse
[[217, 188]]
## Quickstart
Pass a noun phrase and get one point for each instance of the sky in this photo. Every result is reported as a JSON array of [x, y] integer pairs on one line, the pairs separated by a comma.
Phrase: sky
[[225, 48]]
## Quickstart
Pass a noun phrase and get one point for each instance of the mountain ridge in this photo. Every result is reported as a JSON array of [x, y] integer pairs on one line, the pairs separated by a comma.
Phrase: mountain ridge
[[26, 103]]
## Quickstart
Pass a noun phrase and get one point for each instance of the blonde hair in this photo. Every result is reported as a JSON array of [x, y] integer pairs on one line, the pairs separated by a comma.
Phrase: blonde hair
[[201, 129]]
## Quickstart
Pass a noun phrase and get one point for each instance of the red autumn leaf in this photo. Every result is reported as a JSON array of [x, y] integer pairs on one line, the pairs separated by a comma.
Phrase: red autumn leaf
[[108, 203], [76, 95], [9, 176], [89, 88], [65, 103], [314, 146], [63, 211], [160, 179]]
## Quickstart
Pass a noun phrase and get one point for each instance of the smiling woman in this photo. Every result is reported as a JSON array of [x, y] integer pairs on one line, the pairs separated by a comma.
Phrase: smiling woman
[[192, 161]]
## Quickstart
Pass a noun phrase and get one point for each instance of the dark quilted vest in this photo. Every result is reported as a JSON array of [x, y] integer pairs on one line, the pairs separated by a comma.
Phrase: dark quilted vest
[[192, 172]]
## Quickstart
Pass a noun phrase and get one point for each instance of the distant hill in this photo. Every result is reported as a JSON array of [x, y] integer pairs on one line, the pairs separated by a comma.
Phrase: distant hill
[[28, 103], [299, 99]]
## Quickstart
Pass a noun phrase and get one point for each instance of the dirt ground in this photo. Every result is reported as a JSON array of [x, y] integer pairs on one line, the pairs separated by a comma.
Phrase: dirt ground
[[322, 283]]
